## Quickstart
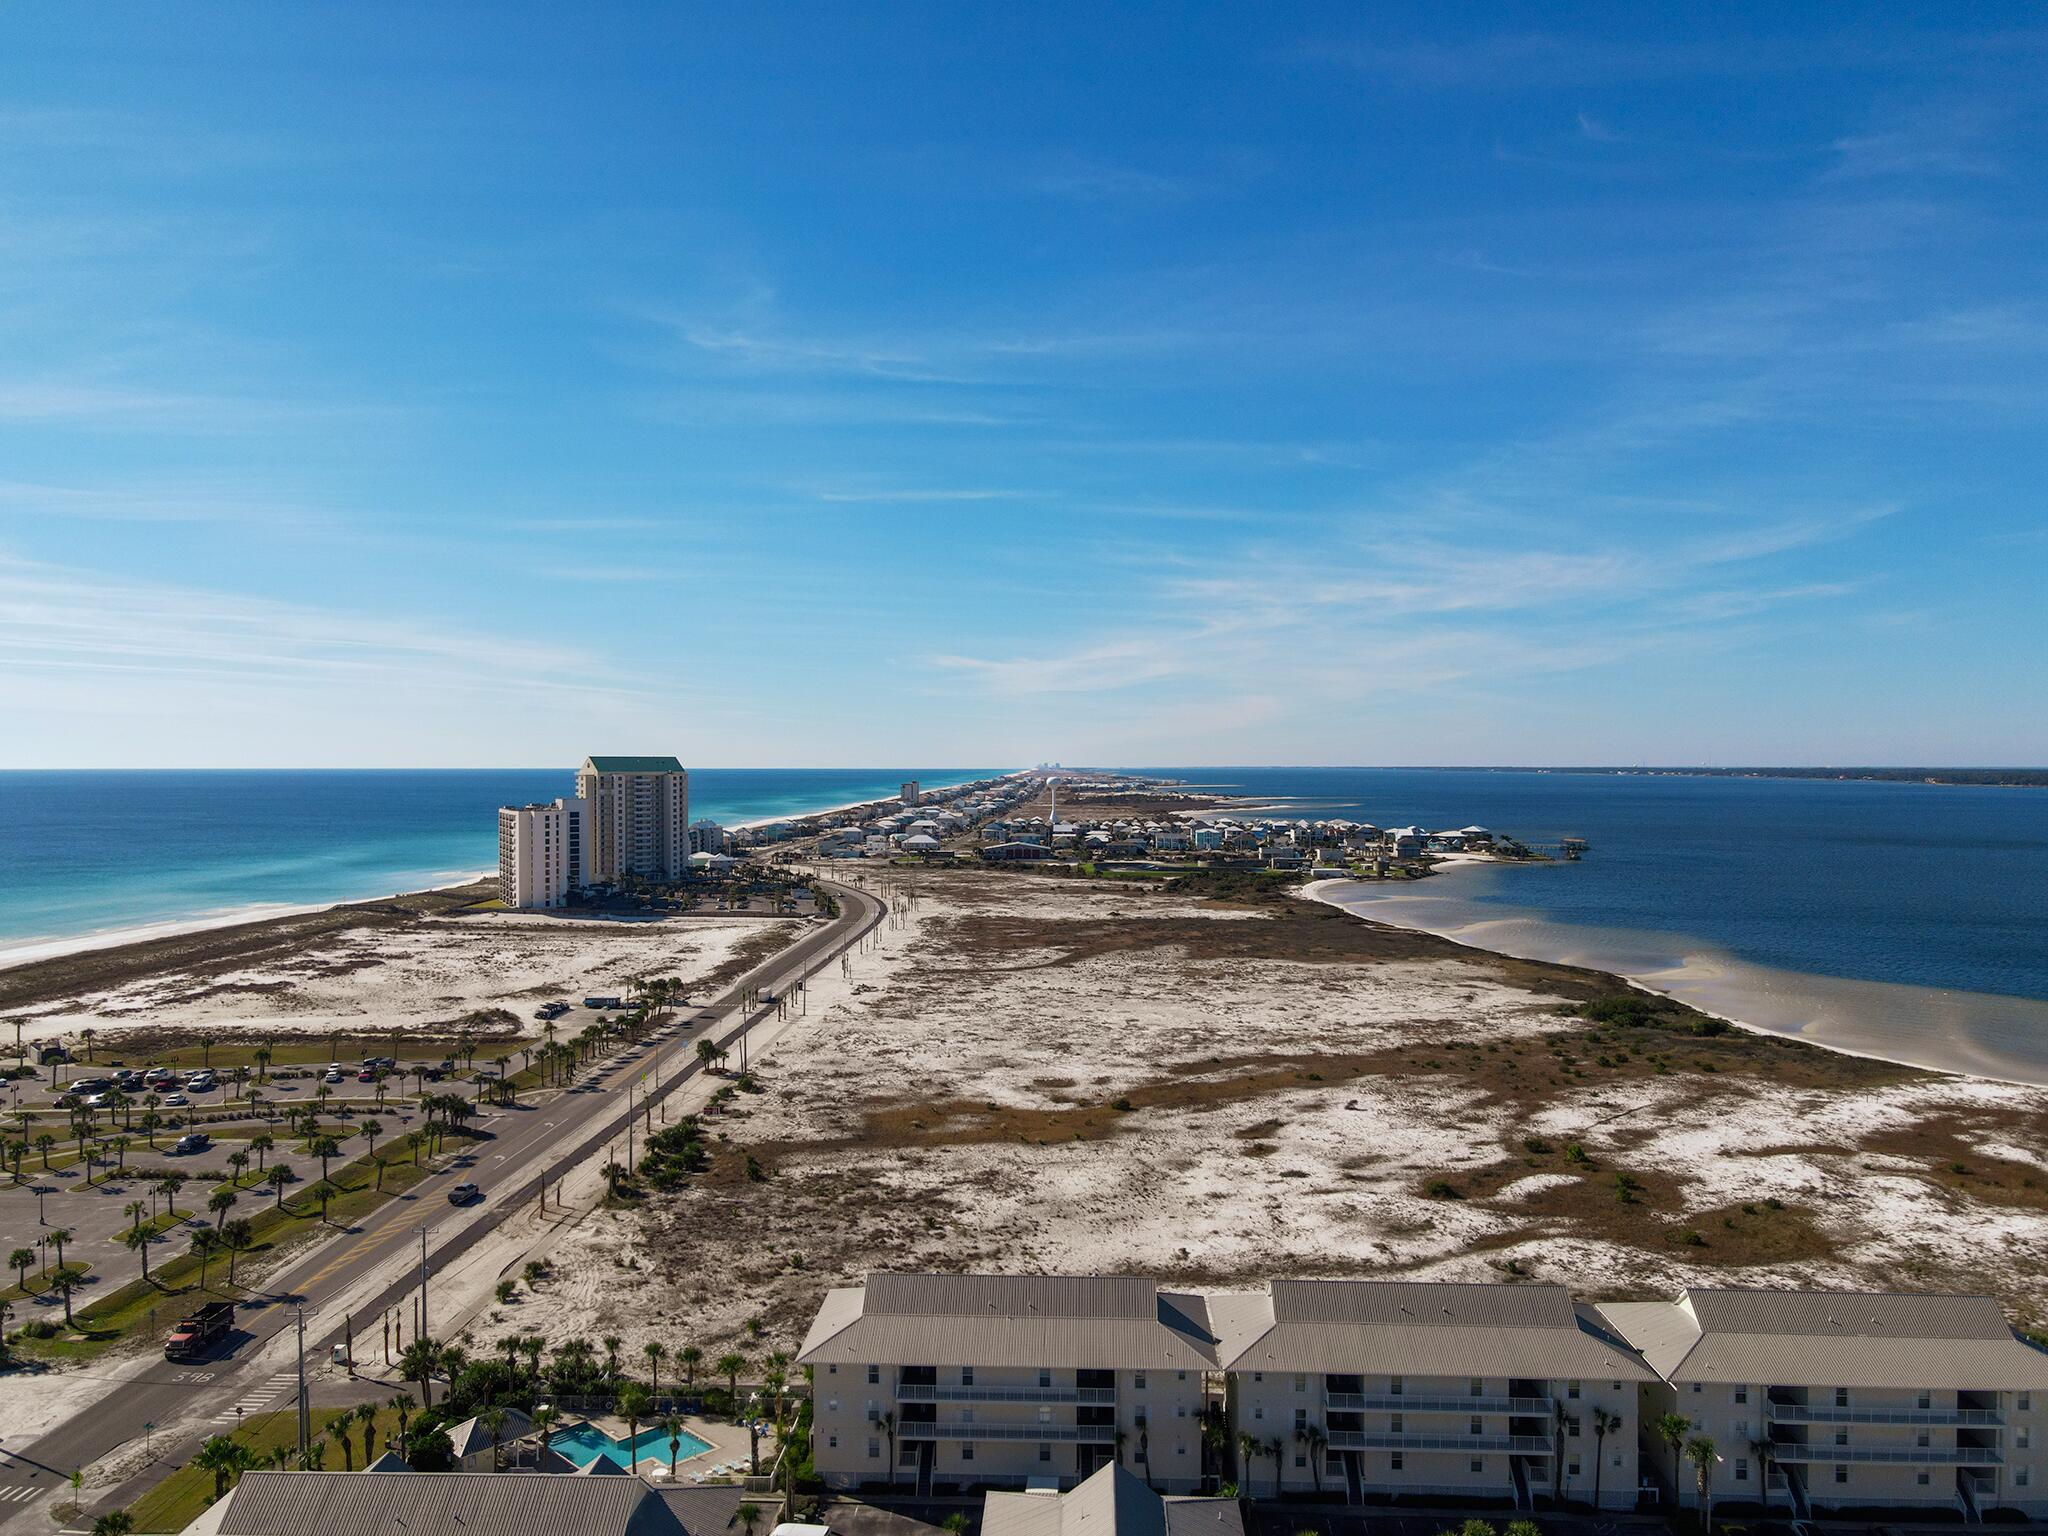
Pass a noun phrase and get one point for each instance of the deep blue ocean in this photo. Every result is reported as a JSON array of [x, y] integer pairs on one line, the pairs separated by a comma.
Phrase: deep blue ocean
[[1907, 920], [91, 851]]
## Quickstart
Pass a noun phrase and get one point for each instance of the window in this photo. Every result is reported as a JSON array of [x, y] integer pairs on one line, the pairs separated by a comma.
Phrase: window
[[966, 1415], [967, 1450], [1571, 1389], [1258, 1375], [1044, 1414], [1300, 1382], [831, 1370], [1180, 1410], [1924, 1400], [1921, 1479], [2024, 1438], [874, 1375], [1742, 1469], [1841, 1474], [1742, 1394], [831, 1405], [1394, 1387], [1739, 1428], [1478, 1425], [1478, 1387], [1395, 1459], [1841, 1437], [1044, 1377], [1695, 1386], [1138, 1380], [1921, 1439], [1045, 1453], [1841, 1397], [1478, 1463], [2026, 1401], [832, 1442], [2020, 1477], [1395, 1425], [1180, 1375], [966, 1375], [874, 1449], [1571, 1466], [1300, 1460], [1571, 1428], [1258, 1410], [1300, 1419], [1180, 1447]]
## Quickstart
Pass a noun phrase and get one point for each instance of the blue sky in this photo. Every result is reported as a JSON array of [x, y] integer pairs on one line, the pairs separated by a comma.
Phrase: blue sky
[[450, 385]]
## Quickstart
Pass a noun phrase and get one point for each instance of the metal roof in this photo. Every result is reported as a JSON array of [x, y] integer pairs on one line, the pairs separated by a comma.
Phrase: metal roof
[[1109, 1502], [1106, 1322], [634, 764], [459, 1504], [1878, 1340], [1406, 1328]]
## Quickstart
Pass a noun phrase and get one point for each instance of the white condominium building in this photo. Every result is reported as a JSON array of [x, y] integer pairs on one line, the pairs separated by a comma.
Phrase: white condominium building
[[543, 852], [640, 817], [1831, 1399], [1002, 1379], [912, 795], [1484, 1392]]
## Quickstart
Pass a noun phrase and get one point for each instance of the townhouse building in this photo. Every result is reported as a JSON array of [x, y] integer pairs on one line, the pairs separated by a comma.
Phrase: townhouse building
[[1008, 1379], [1495, 1393], [1838, 1400]]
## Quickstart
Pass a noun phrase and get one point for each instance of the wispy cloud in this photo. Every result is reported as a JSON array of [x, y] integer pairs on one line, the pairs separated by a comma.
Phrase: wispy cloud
[[934, 494]]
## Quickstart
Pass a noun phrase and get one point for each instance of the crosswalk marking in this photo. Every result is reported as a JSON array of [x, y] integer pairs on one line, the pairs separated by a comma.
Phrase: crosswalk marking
[[257, 1398], [17, 1495]]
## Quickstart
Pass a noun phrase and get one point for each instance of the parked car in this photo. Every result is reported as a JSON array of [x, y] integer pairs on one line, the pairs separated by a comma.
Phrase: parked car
[[175, 1101], [98, 1100], [333, 1075], [192, 1141], [464, 1194], [90, 1085]]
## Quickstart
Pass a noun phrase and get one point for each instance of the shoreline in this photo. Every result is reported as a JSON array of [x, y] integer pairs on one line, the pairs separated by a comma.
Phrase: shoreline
[[29, 950], [1830, 1012]]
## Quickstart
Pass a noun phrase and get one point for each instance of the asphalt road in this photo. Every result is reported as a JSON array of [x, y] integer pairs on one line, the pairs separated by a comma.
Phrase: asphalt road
[[524, 1146]]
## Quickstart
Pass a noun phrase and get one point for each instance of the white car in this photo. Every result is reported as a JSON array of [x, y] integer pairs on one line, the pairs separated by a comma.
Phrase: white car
[[175, 1101], [333, 1076]]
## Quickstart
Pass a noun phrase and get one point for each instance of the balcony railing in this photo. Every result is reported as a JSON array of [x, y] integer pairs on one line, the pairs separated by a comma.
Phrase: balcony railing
[[1785, 1452], [1516, 1445], [1381, 1402], [1102, 1396], [1085, 1434], [1807, 1413]]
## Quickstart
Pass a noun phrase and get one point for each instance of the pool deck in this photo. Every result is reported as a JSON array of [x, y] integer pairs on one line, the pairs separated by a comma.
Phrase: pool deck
[[728, 1443]]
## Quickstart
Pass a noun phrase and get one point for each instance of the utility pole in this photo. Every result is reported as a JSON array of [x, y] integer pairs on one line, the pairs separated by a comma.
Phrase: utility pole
[[421, 1332], [305, 1410]]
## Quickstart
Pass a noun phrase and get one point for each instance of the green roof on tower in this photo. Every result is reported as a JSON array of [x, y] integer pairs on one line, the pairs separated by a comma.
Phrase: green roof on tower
[[634, 764]]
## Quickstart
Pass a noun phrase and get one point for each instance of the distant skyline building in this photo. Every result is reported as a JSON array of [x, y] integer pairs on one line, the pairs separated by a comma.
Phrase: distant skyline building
[[912, 795], [707, 836], [543, 852], [640, 817]]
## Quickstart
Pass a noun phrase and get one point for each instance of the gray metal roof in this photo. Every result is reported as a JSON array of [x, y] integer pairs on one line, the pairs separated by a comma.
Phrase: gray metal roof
[[1108, 1322], [1877, 1340], [1408, 1328], [455, 1504], [1110, 1502]]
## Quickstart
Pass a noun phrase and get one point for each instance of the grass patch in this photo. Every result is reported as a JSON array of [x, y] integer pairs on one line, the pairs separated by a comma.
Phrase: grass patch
[[182, 1497]]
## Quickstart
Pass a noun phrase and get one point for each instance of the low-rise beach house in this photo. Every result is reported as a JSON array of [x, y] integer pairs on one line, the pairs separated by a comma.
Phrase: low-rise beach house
[[1837, 1400], [1356, 1389], [1003, 1379]]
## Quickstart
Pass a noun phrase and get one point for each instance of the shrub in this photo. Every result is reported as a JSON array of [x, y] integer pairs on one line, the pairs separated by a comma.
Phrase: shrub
[[1442, 1189], [1626, 1187], [1535, 1144]]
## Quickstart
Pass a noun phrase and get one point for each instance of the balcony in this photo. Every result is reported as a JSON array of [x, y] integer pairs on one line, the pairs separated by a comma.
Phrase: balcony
[[1084, 1434], [1788, 1454], [1372, 1402], [926, 1394], [1806, 1413], [1514, 1445]]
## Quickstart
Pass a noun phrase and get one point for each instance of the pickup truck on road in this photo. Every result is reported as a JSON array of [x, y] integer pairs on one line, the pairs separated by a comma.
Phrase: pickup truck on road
[[195, 1334]]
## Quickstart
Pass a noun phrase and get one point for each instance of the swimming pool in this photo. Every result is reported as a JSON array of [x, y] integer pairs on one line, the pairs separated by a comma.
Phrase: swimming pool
[[585, 1443]]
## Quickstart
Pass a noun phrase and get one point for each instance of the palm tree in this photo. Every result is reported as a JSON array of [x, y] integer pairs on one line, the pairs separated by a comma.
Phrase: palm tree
[[729, 1366], [888, 1423], [633, 1406], [544, 1421], [19, 1261], [170, 1184], [137, 1242], [115, 1522], [237, 1161], [1699, 1450], [690, 1355], [748, 1516], [416, 1362], [260, 1144], [493, 1419], [277, 1178], [370, 1130], [1604, 1424], [673, 1427], [368, 1415], [1672, 1428], [1276, 1448], [223, 1458], [59, 1236], [65, 1279], [1766, 1454], [239, 1236], [611, 1342], [220, 1202], [324, 1148], [204, 1242], [654, 1352], [1248, 1448], [402, 1406], [1316, 1443], [338, 1426]]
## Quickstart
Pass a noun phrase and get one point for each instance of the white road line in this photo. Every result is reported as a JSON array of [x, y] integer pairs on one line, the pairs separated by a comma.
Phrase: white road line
[[18, 1495]]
